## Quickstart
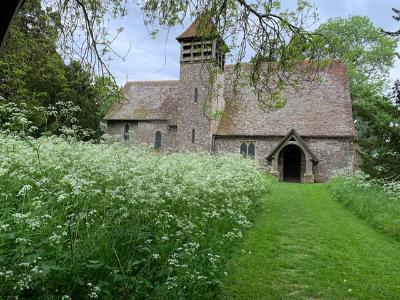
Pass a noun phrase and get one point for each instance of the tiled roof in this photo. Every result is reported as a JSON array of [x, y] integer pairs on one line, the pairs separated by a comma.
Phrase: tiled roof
[[315, 109], [319, 109], [201, 27], [147, 100]]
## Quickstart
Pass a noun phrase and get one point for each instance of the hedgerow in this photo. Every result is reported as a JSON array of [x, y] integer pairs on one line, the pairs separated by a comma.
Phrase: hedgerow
[[81, 220]]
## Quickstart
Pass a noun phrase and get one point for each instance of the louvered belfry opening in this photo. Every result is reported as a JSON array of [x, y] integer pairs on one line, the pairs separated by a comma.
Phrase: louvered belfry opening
[[201, 43]]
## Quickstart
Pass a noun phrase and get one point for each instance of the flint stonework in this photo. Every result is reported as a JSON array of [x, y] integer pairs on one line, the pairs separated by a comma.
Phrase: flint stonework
[[316, 119]]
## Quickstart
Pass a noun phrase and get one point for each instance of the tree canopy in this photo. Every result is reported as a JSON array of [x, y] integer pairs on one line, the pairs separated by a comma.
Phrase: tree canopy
[[370, 54], [36, 80], [263, 26], [367, 50]]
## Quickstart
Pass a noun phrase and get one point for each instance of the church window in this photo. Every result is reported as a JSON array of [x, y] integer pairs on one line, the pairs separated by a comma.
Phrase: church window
[[193, 136], [196, 95], [248, 150], [157, 143], [126, 132], [243, 149], [251, 150]]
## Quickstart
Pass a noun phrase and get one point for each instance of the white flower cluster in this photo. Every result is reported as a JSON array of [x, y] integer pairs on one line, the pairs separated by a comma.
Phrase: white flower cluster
[[361, 179], [115, 215]]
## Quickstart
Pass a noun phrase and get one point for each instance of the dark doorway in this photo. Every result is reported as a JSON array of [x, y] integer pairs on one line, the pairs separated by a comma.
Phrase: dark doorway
[[291, 164]]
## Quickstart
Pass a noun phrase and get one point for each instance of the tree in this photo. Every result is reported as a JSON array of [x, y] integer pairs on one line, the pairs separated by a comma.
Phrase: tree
[[8, 14], [395, 93], [367, 50], [274, 34], [381, 139], [370, 54], [396, 16], [36, 79]]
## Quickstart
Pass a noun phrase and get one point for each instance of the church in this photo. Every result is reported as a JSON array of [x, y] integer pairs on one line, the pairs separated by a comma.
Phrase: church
[[306, 140]]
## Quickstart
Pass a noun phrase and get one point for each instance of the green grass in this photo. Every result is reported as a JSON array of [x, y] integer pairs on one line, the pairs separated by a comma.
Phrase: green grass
[[305, 245], [376, 202]]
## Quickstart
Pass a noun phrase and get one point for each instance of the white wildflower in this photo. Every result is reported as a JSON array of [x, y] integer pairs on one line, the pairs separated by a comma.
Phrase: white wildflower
[[4, 227], [24, 190]]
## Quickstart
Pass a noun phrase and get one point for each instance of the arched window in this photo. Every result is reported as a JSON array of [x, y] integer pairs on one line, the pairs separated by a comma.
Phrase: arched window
[[157, 143], [251, 152], [248, 150], [196, 95], [243, 149], [126, 132], [193, 136]]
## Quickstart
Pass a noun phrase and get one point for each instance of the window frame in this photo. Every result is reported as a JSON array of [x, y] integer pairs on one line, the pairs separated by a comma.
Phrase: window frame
[[193, 136], [196, 95], [157, 140], [126, 132], [247, 145], [243, 149], [253, 155]]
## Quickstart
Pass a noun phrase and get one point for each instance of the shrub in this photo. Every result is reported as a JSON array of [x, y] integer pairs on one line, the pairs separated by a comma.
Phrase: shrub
[[79, 220], [376, 201]]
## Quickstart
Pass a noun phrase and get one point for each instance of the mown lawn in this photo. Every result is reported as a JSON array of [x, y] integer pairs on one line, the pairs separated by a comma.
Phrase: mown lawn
[[305, 245]]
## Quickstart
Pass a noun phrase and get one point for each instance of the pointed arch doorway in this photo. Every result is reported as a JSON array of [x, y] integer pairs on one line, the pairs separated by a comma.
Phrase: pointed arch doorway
[[292, 160], [292, 166]]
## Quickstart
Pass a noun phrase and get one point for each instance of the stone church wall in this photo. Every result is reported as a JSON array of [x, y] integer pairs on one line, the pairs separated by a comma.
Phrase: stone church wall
[[116, 130], [143, 132], [263, 146], [333, 153]]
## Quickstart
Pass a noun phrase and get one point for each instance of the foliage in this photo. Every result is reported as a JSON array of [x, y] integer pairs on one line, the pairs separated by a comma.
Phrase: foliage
[[367, 50], [17, 119], [264, 26], [84, 221], [380, 138], [33, 75], [377, 201], [395, 93], [370, 54]]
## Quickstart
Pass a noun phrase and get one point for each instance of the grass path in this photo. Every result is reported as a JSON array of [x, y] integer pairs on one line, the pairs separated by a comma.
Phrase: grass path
[[307, 246]]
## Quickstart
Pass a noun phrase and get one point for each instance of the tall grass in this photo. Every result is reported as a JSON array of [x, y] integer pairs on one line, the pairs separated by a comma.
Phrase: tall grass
[[79, 220], [376, 201]]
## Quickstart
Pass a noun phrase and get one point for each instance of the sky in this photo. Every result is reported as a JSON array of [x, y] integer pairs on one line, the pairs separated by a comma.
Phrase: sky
[[158, 59]]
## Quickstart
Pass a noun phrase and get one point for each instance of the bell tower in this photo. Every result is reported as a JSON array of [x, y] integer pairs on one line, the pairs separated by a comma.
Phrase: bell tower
[[202, 43], [202, 62]]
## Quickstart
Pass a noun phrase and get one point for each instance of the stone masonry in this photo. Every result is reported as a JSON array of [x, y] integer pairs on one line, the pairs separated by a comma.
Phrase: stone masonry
[[306, 140]]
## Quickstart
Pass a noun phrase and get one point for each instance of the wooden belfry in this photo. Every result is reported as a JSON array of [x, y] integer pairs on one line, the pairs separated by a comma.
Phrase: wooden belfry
[[201, 42]]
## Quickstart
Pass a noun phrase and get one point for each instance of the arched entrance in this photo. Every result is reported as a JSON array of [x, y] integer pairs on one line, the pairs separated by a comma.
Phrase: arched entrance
[[291, 163], [292, 160]]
